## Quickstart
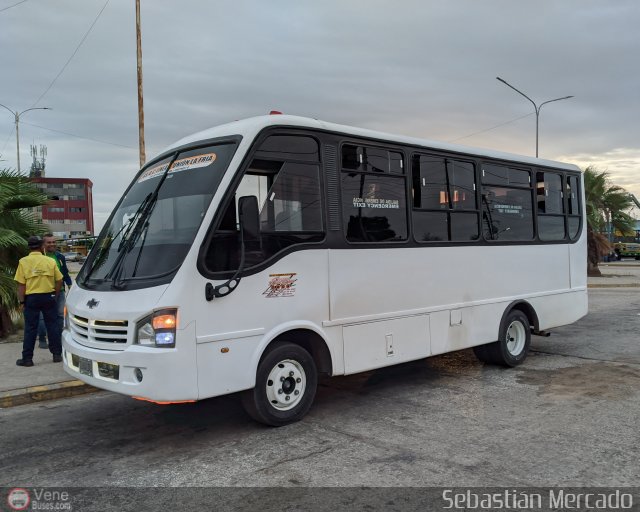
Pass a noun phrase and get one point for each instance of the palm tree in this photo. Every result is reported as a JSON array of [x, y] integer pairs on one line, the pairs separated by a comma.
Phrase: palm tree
[[17, 223], [606, 205]]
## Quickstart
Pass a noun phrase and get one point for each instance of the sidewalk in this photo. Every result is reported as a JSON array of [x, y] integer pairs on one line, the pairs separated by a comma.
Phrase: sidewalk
[[618, 274], [47, 380]]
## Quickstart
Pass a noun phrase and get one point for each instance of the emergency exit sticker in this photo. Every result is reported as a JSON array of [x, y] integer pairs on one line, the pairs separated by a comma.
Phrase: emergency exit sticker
[[184, 164]]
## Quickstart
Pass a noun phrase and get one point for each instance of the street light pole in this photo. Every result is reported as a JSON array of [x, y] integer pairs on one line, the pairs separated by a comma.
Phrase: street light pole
[[536, 107], [16, 116]]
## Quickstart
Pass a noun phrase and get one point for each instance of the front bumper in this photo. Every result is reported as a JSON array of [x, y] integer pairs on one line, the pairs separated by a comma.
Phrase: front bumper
[[168, 375]]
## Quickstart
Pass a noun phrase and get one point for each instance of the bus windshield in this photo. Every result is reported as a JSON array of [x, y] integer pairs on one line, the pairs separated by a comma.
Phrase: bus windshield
[[153, 227]]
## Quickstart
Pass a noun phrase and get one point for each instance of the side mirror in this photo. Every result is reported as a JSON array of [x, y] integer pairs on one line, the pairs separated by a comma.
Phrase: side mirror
[[249, 218]]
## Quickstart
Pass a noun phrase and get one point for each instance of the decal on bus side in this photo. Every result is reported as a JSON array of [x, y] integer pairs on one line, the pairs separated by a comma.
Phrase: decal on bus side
[[184, 164], [370, 202], [281, 285]]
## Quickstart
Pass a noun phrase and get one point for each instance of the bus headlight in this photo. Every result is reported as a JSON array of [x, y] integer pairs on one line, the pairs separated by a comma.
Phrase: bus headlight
[[158, 329]]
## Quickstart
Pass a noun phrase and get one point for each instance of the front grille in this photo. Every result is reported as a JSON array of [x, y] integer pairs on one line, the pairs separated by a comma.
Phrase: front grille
[[100, 331]]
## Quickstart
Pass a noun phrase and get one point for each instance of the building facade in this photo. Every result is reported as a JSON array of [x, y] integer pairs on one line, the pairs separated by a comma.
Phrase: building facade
[[69, 214]]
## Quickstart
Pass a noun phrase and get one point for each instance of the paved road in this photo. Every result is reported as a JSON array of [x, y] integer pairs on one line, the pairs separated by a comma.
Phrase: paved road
[[568, 416]]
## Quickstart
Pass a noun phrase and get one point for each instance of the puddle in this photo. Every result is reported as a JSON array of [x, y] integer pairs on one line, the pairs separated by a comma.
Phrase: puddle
[[598, 380]]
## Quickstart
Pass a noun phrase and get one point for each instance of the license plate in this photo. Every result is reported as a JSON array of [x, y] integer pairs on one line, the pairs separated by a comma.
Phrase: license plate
[[86, 366]]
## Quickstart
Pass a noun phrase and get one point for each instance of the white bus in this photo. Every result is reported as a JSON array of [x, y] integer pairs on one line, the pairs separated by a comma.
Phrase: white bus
[[255, 256]]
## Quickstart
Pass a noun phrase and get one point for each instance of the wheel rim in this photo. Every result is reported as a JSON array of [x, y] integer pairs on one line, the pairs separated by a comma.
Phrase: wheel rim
[[286, 384], [516, 338]]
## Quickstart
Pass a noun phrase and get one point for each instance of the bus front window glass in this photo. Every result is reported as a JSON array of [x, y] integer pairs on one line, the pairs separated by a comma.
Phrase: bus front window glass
[[153, 228]]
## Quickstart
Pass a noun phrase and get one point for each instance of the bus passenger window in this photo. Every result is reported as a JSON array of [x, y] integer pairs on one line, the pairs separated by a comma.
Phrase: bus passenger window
[[374, 205], [293, 201], [573, 207], [370, 159], [507, 214], [374, 208], [550, 206], [444, 200]]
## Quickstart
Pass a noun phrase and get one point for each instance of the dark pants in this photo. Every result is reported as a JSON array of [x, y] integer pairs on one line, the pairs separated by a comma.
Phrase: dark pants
[[34, 304], [42, 330]]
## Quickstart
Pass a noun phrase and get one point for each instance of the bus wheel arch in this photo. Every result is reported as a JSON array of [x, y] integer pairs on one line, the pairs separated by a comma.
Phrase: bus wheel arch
[[287, 377], [514, 336], [527, 309], [313, 343]]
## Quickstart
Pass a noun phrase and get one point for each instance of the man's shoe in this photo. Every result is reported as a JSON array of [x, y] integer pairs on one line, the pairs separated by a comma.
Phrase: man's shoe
[[24, 362], [57, 358]]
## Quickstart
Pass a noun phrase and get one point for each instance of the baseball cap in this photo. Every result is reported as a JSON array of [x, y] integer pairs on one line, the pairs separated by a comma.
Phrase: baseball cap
[[34, 242]]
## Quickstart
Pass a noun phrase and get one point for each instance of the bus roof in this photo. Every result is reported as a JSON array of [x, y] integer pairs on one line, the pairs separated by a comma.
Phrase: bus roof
[[250, 127]]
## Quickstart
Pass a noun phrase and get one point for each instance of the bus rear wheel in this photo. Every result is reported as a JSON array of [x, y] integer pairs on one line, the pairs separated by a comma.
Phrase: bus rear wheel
[[286, 383], [513, 343]]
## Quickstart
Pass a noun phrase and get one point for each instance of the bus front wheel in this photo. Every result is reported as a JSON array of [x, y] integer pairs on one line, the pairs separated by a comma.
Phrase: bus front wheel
[[513, 342], [286, 383]]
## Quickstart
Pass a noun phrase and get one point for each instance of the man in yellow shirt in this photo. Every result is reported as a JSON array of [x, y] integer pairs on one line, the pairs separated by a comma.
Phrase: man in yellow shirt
[[39, 282]]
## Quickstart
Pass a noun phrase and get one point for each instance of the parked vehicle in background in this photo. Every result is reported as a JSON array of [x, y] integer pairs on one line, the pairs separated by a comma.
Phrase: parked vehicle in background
[[627, 250], [73, 256]]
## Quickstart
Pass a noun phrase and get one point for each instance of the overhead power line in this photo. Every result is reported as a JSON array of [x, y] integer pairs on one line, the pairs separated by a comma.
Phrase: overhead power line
[[492, 128], [8, 138], [79, 136], [6, 8], [72, 55]]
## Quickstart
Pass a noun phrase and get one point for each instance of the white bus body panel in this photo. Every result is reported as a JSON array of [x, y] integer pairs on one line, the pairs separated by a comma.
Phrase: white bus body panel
[[167, 373], [260, 309], [372, 307]]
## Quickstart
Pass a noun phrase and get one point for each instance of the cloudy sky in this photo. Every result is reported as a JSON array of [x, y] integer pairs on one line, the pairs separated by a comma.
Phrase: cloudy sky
[[425, 68]]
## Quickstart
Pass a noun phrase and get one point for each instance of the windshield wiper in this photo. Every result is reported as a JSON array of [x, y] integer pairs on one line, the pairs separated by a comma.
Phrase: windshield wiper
[[133, 221], [145, 228], [108, 240], [136, 228]]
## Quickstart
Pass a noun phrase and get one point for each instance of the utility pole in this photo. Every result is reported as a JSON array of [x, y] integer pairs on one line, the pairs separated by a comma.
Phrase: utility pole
[[140, 102]]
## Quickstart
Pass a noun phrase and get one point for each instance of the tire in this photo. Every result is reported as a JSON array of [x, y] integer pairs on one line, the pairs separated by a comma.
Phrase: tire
[[513, 343], [286, 383]]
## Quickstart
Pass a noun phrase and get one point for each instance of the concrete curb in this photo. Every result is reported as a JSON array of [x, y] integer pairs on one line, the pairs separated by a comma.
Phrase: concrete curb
[[35, 394], [606, 285]]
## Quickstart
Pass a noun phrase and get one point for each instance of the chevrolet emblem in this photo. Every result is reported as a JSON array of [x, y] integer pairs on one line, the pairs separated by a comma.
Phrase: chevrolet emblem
[[93, 303]]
